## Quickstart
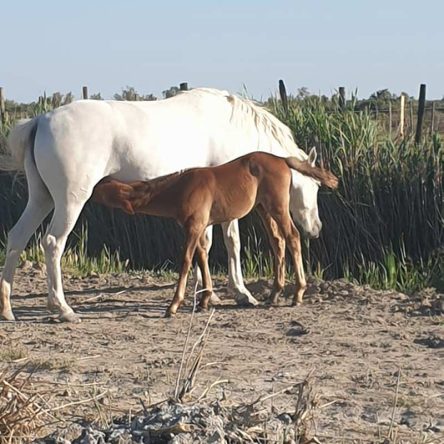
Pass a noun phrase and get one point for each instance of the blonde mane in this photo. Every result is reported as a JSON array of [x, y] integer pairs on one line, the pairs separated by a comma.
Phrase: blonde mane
[[325, 177], [246, 112]]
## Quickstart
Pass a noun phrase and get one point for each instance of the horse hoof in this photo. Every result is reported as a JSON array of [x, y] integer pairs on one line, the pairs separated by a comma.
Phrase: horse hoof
[[70, 317], [7, 316], [245, 300], [296, 303], [169, 314], [214, 299]]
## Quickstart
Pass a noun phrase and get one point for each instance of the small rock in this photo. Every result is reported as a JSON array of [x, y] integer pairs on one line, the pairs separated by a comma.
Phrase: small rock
[[324, 286], [285, 418], [431, 342]]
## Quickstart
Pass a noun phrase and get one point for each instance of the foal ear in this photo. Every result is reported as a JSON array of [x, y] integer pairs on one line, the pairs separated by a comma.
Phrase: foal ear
[[312, 156]]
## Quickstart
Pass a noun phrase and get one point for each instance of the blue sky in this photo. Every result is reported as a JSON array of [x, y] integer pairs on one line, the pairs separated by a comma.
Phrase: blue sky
[[320, 44]]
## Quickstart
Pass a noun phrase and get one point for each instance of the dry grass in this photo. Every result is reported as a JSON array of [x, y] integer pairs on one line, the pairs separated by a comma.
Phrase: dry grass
[[246, 422], [9, 353], [22, 414], [27, 412], [65, 363]]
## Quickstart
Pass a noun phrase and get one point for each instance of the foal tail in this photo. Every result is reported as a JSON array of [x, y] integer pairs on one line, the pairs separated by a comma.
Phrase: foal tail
[[21, 138], [324, 176]]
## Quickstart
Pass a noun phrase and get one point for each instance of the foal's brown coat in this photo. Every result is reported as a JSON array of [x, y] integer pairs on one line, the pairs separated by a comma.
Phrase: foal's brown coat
[[199, 197]]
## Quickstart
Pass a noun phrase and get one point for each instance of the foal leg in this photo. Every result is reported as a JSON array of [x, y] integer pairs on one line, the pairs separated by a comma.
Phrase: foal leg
[[235, 280], [193, 233], [206, 240], [202, 260], [277, 243], [293, 240], [38, 206]]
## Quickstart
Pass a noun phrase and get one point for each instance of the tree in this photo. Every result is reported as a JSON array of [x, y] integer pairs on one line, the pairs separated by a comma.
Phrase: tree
[[131, 94], [302, 93], [170, 92]]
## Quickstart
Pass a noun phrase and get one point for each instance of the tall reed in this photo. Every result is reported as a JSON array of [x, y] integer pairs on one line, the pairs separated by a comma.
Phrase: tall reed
[[388, 210], [390, 197]]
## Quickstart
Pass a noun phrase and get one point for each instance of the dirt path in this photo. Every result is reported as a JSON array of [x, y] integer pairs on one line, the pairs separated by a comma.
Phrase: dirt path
[[354, 340]]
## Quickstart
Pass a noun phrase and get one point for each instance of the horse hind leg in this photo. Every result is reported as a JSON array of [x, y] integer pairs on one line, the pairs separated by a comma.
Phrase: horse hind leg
[[235, 280], [64, 218], [37, 208]]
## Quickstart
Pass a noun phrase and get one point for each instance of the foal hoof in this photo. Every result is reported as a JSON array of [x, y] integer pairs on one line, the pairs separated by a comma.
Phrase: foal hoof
[[71, 317], [7, 315], [214, 299], [273, 299]]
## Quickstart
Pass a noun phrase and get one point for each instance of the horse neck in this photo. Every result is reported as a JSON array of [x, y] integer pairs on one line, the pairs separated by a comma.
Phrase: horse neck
[[271, 134]]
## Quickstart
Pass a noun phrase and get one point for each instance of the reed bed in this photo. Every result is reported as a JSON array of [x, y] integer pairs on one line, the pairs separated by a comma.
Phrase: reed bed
[[387, 218], [384, 226]]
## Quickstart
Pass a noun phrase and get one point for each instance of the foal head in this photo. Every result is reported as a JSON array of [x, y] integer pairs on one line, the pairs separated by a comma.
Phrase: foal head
[[306, 180]]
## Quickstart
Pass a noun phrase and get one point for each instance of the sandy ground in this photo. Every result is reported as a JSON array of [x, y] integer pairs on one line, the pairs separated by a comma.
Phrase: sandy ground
[[355, 341]]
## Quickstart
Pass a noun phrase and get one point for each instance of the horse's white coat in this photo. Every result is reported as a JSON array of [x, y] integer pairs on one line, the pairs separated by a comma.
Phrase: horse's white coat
[[78, 144]]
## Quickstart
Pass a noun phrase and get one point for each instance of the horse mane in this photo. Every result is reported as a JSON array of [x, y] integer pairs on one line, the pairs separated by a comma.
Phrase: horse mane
[[160, 182], [144, 191], [326, 177], [245, 112]]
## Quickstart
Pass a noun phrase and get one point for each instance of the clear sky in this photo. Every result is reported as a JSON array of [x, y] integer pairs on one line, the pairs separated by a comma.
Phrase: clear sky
[[367, 45]]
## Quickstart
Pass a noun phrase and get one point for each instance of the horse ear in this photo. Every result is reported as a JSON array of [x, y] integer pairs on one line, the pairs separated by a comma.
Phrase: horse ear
[[312, 156]]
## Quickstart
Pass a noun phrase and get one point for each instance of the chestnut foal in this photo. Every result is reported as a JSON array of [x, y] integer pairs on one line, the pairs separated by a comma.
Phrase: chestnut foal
[[199, 197]]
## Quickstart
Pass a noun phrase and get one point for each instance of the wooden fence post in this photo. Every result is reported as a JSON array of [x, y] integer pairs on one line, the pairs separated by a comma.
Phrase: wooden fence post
[[421, 108], [390, 118], [85, 92], [342, 101], [401, 116], [2, 106], [183, 86], [283, 94], [432, 119]]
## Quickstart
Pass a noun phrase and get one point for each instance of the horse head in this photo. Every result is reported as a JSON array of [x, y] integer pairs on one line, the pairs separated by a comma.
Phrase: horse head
[[306, 180]]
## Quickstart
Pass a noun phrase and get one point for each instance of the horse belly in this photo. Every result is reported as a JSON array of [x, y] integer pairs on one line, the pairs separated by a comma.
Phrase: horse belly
[[233, 203]]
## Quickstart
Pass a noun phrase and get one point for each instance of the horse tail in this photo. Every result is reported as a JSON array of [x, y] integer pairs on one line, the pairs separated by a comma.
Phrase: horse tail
[[20, 139], [324, 176]]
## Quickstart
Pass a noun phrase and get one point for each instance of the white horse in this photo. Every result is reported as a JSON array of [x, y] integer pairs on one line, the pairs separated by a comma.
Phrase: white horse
[[67, 151]]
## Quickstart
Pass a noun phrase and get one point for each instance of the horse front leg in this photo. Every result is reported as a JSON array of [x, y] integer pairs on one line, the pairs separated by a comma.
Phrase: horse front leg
[[207, 283], [277, 243], [206, 242], [235, 280], [293, 240], [193, 234]]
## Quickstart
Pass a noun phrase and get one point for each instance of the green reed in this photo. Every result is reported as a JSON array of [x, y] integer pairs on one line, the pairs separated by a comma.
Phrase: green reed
[[391, 191], [383, 226]]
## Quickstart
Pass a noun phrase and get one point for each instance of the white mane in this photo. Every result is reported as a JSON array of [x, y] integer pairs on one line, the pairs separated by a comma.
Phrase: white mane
[[268, 126]]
